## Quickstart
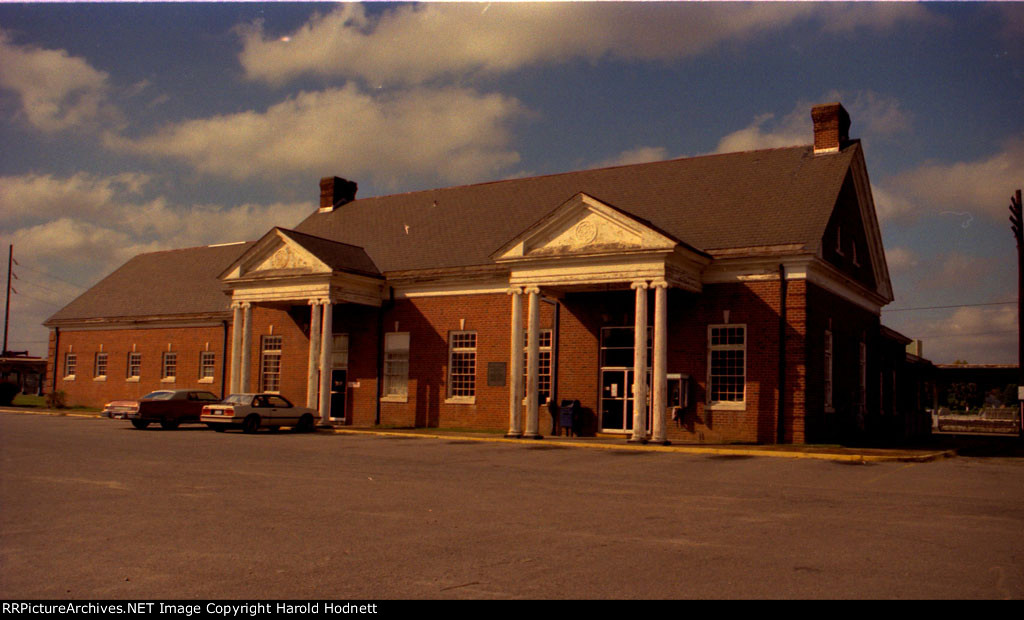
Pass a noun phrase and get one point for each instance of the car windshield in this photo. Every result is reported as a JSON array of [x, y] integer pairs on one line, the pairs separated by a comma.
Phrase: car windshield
[[160, 395], [238, 399]]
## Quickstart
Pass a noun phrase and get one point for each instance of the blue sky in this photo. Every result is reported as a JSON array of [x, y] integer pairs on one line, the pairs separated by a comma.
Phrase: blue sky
[[138, 127]]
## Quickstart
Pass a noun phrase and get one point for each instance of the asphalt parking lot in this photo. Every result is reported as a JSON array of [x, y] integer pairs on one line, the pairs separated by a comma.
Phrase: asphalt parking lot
[[95, 509]]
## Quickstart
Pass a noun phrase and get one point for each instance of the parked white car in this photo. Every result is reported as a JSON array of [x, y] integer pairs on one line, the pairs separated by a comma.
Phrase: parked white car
[[251, 411]]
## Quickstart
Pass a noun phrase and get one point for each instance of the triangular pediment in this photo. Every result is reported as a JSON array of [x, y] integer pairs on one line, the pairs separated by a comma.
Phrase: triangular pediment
[[275, 254], [852, 242], [581, 226]]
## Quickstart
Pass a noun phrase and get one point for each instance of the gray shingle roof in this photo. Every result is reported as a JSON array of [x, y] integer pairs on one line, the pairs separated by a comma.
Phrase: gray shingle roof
[[339, 256], [174, 282], [735, 200]]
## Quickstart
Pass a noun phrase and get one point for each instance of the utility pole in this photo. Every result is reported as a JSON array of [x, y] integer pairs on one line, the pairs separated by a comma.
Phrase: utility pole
[[1018, 233], [7, 306]]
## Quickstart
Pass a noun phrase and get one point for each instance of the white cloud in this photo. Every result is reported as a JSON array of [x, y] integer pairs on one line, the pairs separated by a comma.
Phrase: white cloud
[[57, 91], [872, 117], [901, 259], [980, 187], [414, 44], [453, 134], [638, 155], [81, 227], [980, 335]]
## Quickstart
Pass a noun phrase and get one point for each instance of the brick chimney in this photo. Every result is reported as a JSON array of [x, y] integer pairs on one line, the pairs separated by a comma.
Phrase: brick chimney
[[336, 191], [831, 127]]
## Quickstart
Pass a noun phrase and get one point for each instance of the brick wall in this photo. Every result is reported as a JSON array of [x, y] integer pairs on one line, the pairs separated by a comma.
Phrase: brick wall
[[849, 324], [85, 390]]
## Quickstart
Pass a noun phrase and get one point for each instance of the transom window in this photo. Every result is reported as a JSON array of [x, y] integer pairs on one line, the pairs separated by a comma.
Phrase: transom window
[[270, 364], [727, 367], [461, 364]]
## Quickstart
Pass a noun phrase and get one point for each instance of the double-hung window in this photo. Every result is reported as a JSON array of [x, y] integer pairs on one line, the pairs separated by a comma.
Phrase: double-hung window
[[70, 365], [134, 366], [462, 365], [207, 365], [727, 364], [169, 368], [270, 364], [543, 362], [396, 366], [99, 370], [828, 370]]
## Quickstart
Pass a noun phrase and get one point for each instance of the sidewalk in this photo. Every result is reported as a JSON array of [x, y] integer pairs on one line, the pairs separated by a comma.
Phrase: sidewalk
[[940, 446]]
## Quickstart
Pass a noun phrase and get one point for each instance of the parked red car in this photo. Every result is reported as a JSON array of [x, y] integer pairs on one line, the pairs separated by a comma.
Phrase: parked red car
[[168, 407]]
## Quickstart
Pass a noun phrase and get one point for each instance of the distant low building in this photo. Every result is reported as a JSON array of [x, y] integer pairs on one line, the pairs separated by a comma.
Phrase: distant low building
[[28, 373]]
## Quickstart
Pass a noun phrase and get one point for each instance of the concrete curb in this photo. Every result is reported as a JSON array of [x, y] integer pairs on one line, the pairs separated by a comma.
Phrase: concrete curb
[[854, 457], [795, 454]]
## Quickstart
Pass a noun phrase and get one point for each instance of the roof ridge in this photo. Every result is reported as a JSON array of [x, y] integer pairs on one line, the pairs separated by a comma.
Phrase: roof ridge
[[570, 172]]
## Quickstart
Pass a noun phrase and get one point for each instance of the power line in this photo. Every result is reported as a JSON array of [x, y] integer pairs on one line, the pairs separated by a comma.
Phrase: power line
[[53, 276], [994, 303], [940, 335]]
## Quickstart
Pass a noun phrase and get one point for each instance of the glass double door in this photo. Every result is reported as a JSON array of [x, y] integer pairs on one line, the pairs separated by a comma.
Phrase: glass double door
[[617, 400]]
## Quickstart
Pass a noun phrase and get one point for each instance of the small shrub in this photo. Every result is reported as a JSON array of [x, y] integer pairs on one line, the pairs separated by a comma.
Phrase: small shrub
[[8, 391], [57, 400]]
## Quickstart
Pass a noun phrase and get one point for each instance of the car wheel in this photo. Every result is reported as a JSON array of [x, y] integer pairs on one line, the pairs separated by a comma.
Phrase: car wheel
[[140, 424], [169, 425], [251, 423], [305, 424]]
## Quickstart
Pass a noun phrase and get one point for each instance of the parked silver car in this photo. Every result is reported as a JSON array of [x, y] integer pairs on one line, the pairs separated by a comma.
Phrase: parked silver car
[[252, 411]]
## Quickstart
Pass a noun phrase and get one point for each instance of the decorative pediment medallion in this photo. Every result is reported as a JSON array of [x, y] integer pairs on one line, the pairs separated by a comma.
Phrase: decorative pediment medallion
[[284, 257], [582, 226]]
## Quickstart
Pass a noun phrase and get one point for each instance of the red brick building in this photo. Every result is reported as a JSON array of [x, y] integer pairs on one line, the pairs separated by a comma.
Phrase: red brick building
[[744, 289]]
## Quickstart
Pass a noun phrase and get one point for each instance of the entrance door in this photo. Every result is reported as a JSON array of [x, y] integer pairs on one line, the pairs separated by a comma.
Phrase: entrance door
[[617, 400], [338, 385]]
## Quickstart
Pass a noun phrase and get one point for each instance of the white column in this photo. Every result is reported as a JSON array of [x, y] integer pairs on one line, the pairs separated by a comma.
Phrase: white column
[[659, 399], [243, 381], [314, 354], [533, 365], [640, 364], [236, 348], [515, 383], [326, 347]]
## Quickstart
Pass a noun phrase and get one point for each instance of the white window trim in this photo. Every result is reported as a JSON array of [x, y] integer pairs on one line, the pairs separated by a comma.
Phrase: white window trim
[[727, 405], [549, 349], [460, 400], [263, 362], [95, 366], [164, 377], [128, 361], [397, 398], [203, 378], [70, 376]]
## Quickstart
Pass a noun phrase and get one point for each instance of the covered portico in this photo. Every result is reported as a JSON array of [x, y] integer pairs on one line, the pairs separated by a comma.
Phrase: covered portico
[[287, 268], [587, 245]]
